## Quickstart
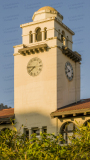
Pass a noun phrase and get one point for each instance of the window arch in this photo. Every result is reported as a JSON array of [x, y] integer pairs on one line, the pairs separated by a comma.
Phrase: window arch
[[30, 37], [67, 130], [38, 34], [63, 38], [45, 33]]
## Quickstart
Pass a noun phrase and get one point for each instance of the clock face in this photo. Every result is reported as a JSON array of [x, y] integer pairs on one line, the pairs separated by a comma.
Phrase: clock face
[[69, 71], [34, 66]]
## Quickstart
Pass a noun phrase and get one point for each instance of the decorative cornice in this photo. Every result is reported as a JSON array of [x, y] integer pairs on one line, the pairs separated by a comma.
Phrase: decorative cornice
[[64, 26], [20, 45], [75, 56], [15, 54], [51, 38], [47, 19], [36, 22], [27, 50]]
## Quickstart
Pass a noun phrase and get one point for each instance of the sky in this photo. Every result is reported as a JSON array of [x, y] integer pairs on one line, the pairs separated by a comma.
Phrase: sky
[[76, 15]]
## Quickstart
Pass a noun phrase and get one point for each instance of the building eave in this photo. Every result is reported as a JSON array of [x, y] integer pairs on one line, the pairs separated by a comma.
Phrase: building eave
[[74, 109], [7, 119], [68, 113], [75, 56]]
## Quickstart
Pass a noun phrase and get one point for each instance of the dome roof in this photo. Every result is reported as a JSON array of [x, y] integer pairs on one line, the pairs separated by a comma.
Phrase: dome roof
[[47, 8]]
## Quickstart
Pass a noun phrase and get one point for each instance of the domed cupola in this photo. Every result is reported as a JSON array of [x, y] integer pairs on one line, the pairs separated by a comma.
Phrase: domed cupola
[[46, 12]]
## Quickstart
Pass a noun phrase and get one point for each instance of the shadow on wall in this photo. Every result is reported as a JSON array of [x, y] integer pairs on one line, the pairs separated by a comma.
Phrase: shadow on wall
[[35, 120]]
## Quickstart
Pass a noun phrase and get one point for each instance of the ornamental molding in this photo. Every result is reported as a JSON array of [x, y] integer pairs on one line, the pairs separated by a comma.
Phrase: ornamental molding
[[51, 38], [44, 11], [15, 54], [47, 11], [41, 31], [20, 45], [75, 56], [36, 22], [47, 19], [64, 26], [27, 50]]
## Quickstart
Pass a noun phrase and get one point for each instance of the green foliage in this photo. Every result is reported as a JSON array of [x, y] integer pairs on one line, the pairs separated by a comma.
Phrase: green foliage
[[80, 143], [14, 146]]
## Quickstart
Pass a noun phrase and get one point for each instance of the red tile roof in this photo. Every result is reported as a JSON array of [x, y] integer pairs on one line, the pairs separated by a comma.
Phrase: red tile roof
[[7, 113], [81, 105]]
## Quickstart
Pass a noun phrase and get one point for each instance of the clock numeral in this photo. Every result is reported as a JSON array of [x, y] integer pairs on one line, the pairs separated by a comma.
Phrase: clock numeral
[[34, 66]]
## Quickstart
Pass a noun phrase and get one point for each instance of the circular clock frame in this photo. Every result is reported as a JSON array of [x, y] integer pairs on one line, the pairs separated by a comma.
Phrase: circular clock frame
[[34, 66], [69, 71]]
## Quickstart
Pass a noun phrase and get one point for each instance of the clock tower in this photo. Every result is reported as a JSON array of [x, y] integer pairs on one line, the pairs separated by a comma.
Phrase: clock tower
[[46, 71]]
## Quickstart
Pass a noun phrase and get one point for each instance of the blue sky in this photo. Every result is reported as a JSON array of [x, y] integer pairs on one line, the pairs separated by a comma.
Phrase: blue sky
[[76, 15]]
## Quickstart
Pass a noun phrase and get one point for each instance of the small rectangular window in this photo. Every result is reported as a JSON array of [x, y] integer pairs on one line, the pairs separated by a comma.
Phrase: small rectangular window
[[26, 131], [36, 130], [44, 129]]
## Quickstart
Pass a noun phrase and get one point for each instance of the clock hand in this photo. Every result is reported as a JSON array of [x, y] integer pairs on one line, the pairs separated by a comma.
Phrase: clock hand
[[68, 70], [32, 68]]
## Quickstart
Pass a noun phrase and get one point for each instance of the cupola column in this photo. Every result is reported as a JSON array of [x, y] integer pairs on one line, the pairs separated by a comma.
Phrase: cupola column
[[42, 35], [34, 37]]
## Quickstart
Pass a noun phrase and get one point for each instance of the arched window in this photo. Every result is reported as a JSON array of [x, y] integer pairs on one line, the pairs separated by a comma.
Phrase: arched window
[[59, 33], [67, 41], [67, 130], [30, 37], [45, 33], [63, 38], [38, 35]]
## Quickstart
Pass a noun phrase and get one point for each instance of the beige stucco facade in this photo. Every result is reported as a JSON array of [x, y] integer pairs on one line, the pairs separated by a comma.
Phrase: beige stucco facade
[[36, 97]]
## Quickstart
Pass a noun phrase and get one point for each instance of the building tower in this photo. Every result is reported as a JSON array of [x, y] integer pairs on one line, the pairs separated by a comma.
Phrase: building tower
[[46, 71]]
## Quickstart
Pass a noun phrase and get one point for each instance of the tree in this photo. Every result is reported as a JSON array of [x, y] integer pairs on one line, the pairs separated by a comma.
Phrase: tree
[[14, 146]]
